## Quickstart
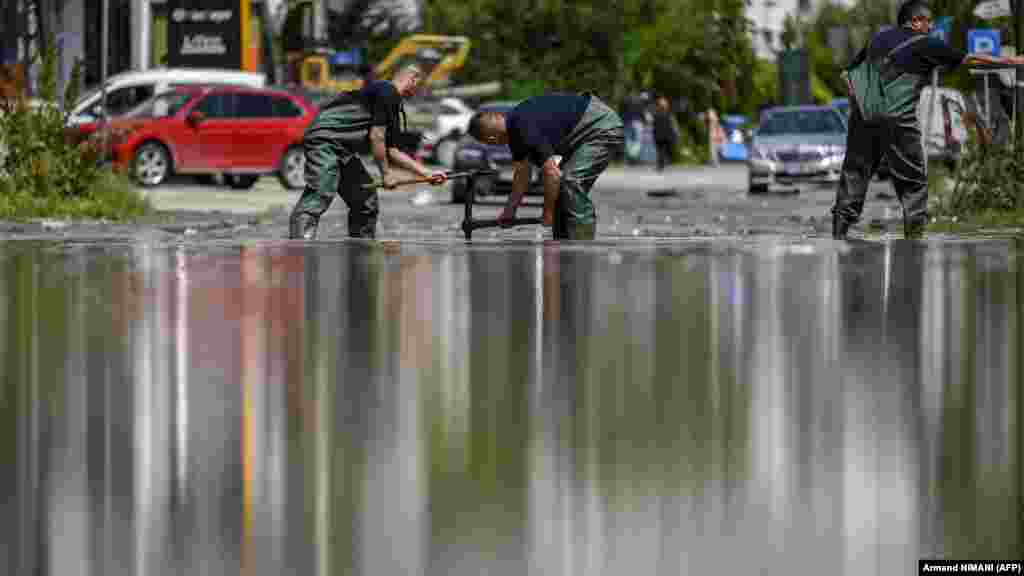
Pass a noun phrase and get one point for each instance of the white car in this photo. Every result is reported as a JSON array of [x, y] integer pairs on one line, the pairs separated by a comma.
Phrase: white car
[[129, 89], [451, 118]]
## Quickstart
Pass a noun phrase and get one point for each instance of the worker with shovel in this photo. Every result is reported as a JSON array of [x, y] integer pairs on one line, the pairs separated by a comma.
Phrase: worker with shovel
[[572, 138], [332, 168]]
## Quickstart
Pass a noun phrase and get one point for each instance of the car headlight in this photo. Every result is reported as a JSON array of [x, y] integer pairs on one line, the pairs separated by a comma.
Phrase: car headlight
[[835, 154], [469, 155]]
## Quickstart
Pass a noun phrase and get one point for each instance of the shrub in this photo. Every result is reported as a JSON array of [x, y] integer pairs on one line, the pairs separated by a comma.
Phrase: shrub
[[989, 178], [110, 196], [44, 169]]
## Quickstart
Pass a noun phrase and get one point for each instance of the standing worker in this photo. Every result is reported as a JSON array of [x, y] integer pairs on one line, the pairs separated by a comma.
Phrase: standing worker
[[666, 132], [372, 111], [572, 138], [886, 80]]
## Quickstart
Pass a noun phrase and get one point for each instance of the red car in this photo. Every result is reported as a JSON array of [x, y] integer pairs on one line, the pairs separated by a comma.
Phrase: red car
[[237, 131]]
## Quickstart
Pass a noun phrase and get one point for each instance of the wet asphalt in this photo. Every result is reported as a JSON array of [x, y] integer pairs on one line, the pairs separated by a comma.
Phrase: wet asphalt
[[632, 202]]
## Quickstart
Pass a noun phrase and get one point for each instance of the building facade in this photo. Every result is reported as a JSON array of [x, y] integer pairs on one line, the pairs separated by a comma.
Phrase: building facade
[[768, 18], [137, 34]]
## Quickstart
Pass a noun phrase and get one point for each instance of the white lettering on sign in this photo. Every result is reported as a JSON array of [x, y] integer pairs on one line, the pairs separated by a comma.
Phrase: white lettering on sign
[[215, 16], [201, 45]]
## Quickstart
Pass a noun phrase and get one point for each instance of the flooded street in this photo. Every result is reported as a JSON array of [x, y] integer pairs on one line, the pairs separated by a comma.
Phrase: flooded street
[[438, 408]]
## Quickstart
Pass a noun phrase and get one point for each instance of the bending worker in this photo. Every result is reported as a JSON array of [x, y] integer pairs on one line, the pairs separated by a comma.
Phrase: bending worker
[[572, 138], [372, 111], [905, 57]]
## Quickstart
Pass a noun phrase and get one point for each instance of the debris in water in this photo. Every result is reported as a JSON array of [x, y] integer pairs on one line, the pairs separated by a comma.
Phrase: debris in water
[[422, 198], [663, 193], [52, 225]]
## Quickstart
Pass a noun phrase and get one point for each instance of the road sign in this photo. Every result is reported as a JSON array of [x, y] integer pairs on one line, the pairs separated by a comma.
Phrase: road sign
[[983, 41], [942, 29], [993, 9]]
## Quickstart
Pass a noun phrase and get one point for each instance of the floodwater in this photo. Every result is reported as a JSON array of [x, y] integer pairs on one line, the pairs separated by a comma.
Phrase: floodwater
[[631, 409]]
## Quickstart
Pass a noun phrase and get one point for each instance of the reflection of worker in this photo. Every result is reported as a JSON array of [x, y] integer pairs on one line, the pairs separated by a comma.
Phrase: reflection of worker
[[666, 132], [913, 55], [332, 168], [573, 138]]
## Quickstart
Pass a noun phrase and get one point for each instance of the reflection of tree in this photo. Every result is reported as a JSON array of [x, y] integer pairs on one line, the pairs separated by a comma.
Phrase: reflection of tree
[[478, 489], [981, 491], [660, 405]]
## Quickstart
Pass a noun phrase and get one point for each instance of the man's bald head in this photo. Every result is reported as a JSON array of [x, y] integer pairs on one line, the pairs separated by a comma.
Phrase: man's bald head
[[489, 127]]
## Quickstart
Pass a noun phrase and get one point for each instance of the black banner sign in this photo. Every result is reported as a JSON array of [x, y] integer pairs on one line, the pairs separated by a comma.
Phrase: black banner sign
[[204, 34]]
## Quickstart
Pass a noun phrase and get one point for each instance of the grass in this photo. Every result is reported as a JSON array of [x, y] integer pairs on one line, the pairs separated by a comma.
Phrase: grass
[[111, 197], [988, 220], [940, 183]]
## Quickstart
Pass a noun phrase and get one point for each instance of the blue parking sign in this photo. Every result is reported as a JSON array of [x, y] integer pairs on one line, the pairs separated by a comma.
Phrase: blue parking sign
[[983, 41]]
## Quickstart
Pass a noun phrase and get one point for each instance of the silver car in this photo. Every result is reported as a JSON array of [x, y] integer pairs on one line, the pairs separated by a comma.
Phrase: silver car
[[796, 144]]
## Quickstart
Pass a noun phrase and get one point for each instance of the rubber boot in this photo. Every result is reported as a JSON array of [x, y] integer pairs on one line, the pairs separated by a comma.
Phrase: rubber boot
[[581, 231], [913, 230], [840, 227], [302, 227], [361, 227]]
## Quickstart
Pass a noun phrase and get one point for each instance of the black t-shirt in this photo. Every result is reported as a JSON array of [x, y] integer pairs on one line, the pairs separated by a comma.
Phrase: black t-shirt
[[538, 126], [919, 58], [375, 104]]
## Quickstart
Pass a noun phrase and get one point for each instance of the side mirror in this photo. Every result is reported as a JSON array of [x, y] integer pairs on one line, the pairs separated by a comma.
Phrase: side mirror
[[195, 117]]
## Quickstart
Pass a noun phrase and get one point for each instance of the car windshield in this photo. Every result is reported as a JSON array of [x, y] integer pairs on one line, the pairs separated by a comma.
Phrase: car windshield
[[89, 94], [801, 122], [162, 105]]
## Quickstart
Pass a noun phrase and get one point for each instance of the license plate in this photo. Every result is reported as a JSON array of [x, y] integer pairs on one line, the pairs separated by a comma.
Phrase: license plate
[[797, 169]]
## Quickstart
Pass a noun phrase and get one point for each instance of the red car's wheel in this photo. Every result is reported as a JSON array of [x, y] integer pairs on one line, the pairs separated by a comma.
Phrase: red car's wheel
[[151, 164]]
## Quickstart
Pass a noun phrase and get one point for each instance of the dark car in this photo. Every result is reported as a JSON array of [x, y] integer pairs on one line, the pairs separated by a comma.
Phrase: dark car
[[471, 154]]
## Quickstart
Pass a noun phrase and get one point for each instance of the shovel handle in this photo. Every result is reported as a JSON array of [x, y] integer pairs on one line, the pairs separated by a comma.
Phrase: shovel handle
[[424, 179], [469, 225]]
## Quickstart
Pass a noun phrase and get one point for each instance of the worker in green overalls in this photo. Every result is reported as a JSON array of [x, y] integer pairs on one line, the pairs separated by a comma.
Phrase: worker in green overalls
[[910, 55], [572, 138], [372, 111]]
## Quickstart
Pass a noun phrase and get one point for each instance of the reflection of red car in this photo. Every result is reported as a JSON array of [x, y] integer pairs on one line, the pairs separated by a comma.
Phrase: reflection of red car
[[238, 131]]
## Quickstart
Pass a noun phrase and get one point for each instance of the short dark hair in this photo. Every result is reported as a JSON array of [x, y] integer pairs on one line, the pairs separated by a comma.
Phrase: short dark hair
[[910, 9]]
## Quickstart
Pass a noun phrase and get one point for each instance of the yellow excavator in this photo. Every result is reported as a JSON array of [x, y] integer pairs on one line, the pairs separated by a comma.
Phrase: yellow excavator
[[334, 71]]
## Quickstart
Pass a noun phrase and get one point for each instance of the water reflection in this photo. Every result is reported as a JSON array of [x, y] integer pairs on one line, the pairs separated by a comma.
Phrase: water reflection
[[423, 409]]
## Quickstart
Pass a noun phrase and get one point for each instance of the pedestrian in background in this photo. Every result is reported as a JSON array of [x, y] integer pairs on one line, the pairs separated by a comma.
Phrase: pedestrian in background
[[666, 132], [716, 136]]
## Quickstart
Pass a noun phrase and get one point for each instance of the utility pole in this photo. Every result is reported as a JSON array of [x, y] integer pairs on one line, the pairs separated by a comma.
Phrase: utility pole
[[104, 63], [1018, 20]]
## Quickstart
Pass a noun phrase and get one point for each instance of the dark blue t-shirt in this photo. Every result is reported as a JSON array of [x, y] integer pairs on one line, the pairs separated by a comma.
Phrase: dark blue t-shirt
[[919, 58], [538, 126]]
